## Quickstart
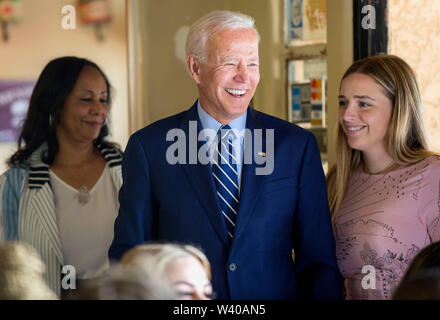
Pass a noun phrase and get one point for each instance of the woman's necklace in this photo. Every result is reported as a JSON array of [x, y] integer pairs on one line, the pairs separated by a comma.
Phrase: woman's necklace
[[83, 195]]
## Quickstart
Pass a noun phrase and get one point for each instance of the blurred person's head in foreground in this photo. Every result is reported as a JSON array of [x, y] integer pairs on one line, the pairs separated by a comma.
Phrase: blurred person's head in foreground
[[21, 273], [422, 278], [425, 285], [426, 259], [126, 283], [185, 267]]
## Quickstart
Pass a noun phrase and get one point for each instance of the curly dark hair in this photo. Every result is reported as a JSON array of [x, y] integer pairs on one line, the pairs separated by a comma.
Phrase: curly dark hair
[[55, 83]]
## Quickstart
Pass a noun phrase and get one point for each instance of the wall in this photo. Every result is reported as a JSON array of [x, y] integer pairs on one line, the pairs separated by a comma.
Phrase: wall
[[339, 58], [164, 25], [414, 35], [40, 38], [270, 96]]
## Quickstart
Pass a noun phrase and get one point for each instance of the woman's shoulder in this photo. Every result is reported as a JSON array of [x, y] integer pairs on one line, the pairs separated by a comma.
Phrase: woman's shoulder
[[433, 168], [109, 148], [431, 164], [13, 177], [427, 170], [16, 171], [433, 160], [112, 154]]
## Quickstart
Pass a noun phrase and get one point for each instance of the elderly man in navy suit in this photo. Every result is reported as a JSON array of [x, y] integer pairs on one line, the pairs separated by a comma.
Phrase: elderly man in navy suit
[[246, 187]]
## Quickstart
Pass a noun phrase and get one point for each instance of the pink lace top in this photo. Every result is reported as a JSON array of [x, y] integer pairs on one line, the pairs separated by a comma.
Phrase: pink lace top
[[383, 222]]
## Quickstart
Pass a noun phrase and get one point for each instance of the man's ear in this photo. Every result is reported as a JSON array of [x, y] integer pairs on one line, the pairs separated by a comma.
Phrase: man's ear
[[194, 67]]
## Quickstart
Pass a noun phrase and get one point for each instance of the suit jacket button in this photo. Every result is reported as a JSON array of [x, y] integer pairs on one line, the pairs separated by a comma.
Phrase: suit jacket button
[[232, 267]]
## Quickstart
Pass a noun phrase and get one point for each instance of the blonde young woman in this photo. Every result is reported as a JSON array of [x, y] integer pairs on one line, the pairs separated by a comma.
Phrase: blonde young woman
[[184, 267], [384, 189]]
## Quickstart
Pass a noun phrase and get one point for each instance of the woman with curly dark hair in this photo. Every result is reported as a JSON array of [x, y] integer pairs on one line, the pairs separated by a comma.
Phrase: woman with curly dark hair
[[60, 192]]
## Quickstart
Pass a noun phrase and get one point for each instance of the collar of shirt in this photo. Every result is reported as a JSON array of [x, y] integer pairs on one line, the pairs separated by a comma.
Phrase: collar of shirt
[[238, 124], [208, 122]]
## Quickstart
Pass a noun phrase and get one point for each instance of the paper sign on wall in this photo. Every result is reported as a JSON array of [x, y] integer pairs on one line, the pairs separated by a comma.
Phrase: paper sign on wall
[[14, 103]]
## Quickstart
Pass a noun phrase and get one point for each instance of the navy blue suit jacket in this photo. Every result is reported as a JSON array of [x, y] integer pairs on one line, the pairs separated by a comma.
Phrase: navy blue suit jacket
[[279, 212]]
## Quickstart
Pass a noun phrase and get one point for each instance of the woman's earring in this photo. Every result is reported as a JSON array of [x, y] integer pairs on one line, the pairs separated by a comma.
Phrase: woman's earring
[[51, 122]]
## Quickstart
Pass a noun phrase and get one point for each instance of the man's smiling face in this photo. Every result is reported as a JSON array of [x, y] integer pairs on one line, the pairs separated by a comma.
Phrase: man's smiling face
[[228, 78]]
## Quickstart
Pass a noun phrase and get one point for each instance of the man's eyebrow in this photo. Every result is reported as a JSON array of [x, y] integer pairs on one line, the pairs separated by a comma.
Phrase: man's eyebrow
[[228, 59], [256, 58]]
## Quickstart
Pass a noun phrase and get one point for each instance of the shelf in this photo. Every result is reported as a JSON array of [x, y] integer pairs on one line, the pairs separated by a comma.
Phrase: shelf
[[306, 52], [303, 43], [306, 124], [305, 57], [318, 128]]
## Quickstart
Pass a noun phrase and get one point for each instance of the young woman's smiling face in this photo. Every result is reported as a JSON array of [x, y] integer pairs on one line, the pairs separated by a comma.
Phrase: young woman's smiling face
[[364, 113]]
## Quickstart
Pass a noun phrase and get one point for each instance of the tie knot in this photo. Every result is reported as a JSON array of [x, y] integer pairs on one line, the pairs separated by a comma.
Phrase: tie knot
[[224, 131]]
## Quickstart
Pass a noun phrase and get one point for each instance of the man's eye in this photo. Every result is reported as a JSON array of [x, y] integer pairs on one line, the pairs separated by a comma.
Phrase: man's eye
[[86, 99], [364, 104], [342, 103]]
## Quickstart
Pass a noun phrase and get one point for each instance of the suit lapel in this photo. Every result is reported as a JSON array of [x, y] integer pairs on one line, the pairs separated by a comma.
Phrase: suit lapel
[[250, 182], [201, 180]]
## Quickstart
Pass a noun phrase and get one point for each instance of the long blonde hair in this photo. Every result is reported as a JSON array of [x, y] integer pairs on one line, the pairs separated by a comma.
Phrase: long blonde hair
[[405, 140]]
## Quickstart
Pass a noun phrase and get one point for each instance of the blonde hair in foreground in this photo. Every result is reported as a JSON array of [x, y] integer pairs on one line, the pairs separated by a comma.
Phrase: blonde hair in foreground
[[155, 257], [22, 273], [405, 139]]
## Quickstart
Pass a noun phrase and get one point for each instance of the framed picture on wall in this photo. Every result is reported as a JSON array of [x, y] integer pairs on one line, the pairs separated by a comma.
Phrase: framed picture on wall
[[305, 20], [14, 103]]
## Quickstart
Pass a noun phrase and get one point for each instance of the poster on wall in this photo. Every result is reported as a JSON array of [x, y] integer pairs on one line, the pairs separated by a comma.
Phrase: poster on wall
[[294, 20], [306, 20], [14, 102]]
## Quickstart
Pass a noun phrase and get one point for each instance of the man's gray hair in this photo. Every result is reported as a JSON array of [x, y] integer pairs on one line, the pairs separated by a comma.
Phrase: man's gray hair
[[212, 23]]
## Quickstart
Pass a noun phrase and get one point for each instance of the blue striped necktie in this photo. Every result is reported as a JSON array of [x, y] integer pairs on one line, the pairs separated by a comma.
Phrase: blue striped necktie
[[224, 170]]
